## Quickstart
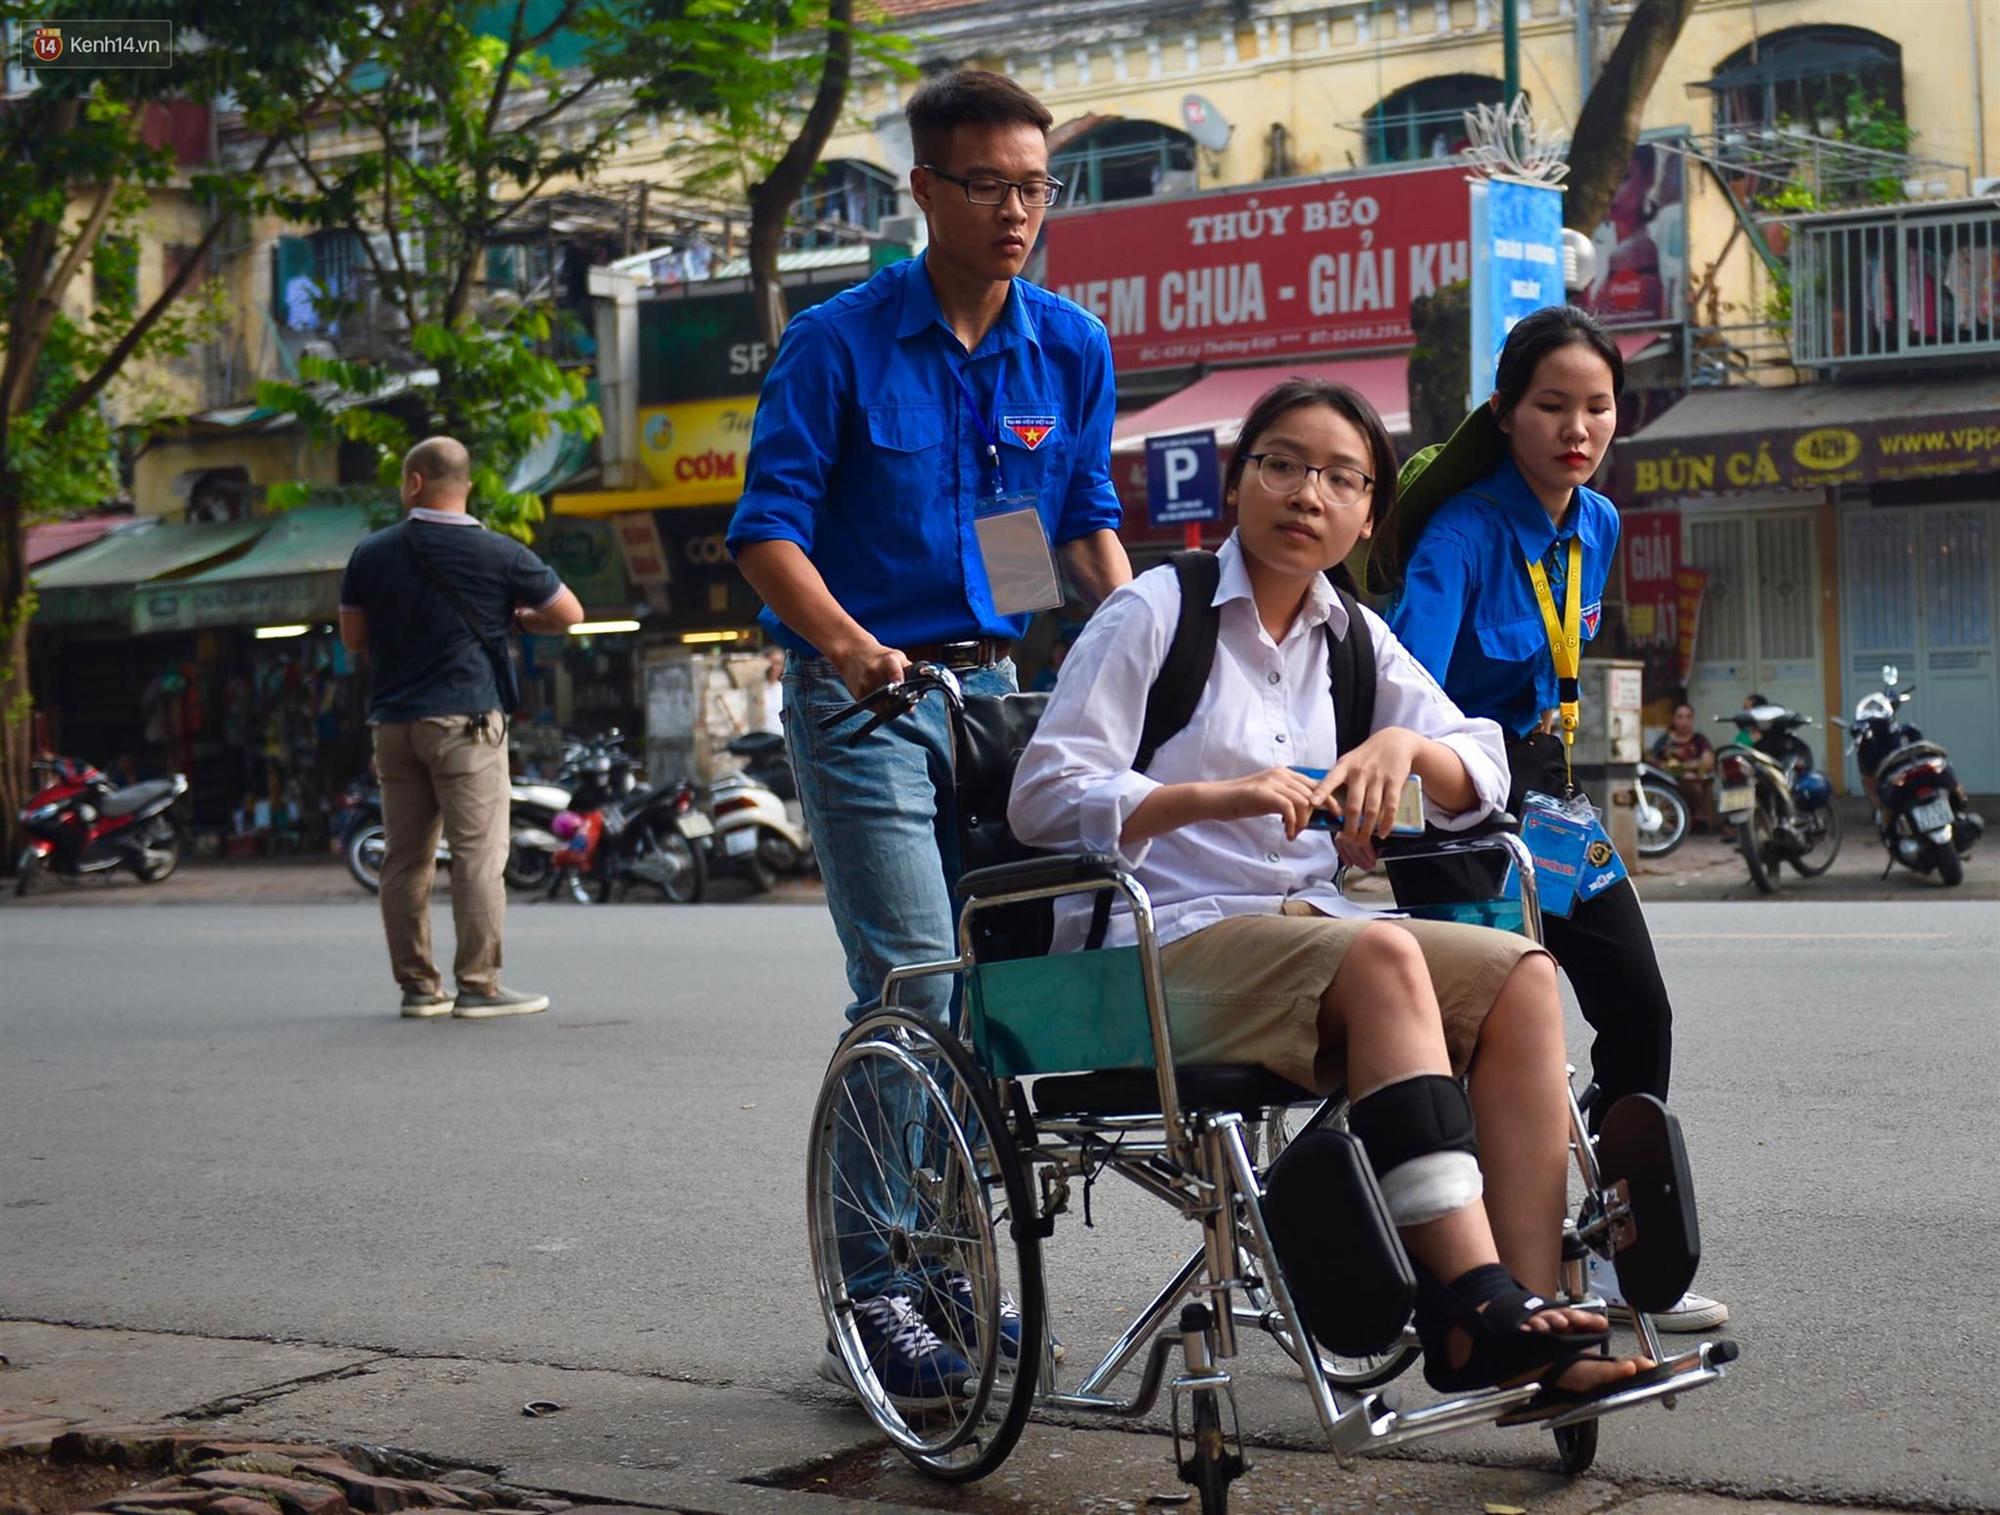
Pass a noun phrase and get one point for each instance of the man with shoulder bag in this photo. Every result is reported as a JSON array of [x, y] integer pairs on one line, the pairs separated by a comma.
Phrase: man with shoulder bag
[[431, 600]]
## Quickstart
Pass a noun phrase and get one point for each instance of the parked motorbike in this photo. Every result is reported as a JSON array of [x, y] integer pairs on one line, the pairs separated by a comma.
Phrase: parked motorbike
[[80, 822], [615, 834], [1661, 811], [1780, 804], [760, 831], [531, 846], [1921, 810]]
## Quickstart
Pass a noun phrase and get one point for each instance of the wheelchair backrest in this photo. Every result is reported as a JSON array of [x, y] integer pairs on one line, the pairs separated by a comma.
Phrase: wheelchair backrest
[[991, 734]]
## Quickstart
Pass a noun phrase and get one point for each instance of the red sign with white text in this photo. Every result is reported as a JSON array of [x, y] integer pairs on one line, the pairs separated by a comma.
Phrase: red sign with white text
[[1273, 272]]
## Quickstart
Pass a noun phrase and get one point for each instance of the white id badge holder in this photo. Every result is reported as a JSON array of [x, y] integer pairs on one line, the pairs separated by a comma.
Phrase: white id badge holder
[[1020, 569]]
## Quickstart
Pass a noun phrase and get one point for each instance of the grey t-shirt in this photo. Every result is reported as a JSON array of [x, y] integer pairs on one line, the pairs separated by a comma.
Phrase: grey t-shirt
[[426, 660]]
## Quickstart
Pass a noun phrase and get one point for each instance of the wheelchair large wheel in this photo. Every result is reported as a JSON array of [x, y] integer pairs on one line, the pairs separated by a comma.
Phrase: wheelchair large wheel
[[907, 1103]]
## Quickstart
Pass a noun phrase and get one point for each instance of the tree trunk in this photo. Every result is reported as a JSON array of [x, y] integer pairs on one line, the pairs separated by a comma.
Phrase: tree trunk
[[16, 705], [1607, 129], [1440, 363], [771, 200]]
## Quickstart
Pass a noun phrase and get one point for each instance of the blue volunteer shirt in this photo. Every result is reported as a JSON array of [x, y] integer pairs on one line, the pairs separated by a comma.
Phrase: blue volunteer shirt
[[866, 452], [1467, 609]]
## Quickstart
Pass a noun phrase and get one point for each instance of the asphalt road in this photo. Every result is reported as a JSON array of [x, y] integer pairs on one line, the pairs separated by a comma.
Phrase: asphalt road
[[212, 1121]]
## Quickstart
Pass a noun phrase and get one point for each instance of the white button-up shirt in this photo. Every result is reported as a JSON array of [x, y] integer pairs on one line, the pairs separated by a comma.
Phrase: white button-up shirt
[[1266, 704]]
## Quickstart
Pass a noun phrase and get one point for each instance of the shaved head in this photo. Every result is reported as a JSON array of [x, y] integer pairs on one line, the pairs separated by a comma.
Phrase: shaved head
[[442, 469]]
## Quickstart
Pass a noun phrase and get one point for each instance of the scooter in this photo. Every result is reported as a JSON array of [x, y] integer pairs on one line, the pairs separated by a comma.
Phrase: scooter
[[760, 831], [615, 834], [80, 822], [1780, 804], [1921, 811]]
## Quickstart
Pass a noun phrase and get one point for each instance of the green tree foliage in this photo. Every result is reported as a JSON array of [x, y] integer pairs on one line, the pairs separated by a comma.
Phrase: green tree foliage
[[76, 173]]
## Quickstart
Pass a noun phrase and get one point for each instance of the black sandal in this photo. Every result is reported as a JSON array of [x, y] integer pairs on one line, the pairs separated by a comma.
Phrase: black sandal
[[1503, 1349]]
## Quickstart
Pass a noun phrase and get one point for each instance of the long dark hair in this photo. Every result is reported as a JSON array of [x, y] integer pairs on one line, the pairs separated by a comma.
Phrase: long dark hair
[[1295, 394], [1538, 335]]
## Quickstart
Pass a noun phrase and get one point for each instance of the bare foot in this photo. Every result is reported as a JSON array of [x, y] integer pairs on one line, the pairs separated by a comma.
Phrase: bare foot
[[1584, 1375]]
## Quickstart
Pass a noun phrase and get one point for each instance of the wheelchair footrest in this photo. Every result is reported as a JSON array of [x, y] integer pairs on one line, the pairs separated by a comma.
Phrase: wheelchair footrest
[[1337, 1247], [1642, 1158]]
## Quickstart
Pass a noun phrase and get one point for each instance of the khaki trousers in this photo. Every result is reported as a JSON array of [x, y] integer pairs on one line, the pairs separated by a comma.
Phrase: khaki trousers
[[444, 773]]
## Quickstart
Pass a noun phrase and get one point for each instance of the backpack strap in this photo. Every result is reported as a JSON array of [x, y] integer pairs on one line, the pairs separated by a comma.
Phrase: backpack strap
[[1177, 687], [1350, 665]]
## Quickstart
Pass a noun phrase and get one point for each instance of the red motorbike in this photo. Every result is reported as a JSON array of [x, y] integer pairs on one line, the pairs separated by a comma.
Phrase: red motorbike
[[81, 822]]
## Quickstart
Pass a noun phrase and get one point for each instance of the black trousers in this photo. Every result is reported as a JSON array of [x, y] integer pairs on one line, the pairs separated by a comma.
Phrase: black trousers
[[1607, 952]]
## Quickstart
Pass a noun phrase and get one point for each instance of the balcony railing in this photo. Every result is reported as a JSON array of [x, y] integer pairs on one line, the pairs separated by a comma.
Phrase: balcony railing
[[1897, 283]]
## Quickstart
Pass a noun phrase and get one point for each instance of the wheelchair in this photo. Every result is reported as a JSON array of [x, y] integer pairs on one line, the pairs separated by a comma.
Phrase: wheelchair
[[1061, 1070]]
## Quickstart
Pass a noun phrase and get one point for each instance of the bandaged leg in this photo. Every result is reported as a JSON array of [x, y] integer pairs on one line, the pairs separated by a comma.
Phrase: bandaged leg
[[1418, 1134]]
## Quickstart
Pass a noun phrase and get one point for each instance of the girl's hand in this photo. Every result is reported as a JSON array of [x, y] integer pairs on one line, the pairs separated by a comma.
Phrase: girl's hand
[[1359, 854], [1275, 791], [1370, 781]]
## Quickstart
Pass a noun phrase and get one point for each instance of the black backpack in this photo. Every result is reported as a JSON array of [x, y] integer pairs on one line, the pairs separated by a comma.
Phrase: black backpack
[[1177, 687]]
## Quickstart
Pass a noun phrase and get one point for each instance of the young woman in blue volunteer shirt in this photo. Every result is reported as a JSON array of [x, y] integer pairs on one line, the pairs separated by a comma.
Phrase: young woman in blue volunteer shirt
[[1264, 960], [1503, 499]]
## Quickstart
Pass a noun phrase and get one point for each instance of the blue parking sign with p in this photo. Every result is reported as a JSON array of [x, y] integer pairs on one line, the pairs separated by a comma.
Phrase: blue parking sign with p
[[1183, 479]]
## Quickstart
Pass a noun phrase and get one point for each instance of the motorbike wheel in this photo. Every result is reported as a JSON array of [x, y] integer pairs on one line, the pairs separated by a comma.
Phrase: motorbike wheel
[[159, 851], [682, 872], [1673, 827], [1754, 837], [528, 868], [758, 872], [26, 868], [1951, 868], [365, 849], [777, 854], [1825, 847]]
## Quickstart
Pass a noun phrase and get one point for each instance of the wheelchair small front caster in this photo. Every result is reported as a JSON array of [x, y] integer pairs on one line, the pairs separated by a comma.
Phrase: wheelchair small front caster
[[1576, 1447], [1210, 1465]]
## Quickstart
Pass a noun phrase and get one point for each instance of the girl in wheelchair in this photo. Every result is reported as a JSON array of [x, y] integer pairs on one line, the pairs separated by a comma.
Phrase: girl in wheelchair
[[1264, 960]]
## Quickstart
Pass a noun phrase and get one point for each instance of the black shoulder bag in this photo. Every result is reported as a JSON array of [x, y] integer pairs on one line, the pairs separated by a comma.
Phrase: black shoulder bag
[[496, 653]]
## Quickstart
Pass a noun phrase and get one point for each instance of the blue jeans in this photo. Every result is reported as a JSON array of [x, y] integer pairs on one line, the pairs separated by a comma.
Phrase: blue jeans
[[882, 823]]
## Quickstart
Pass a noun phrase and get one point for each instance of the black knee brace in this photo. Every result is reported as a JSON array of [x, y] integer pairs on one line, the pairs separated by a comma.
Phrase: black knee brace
[[1410, 1118]]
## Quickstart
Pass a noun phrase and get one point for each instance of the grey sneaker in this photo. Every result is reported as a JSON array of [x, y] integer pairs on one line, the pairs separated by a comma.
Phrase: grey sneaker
[[502, 1001], [422, 1004]]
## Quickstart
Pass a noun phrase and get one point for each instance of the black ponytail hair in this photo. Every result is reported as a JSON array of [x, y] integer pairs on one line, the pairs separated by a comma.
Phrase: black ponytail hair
[[1534, 337]]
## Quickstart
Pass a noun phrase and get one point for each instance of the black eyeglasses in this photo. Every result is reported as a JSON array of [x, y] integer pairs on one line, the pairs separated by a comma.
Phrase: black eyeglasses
[[1281, 473], [990, 189]]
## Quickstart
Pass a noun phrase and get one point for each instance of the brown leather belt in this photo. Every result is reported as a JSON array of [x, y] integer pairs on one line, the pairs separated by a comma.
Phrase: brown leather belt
[[959, 656]]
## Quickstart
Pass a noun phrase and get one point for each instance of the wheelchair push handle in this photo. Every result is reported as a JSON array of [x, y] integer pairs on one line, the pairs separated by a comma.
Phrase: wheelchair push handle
[[898, 698]]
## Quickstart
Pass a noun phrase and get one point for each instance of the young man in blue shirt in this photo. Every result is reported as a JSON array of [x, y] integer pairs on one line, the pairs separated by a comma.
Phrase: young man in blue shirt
[[899, 422]]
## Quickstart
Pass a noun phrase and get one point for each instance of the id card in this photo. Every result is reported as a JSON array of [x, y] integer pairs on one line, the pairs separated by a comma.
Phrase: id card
[[1574, 858], [1020, 569]]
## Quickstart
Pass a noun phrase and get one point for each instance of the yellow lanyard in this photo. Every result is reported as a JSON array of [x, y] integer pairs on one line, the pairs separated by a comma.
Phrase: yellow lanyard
[[1565, 640]]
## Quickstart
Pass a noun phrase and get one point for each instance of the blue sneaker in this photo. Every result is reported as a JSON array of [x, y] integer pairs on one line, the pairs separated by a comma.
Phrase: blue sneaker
[[955, 1315], [917, 1371]]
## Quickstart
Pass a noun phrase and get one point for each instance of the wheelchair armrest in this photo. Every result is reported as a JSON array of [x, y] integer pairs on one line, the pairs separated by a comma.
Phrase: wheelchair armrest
[[1057, 871], [1499, 823]]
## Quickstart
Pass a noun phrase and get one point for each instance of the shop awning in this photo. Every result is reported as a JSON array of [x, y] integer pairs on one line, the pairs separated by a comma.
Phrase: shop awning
[[292, 574], [94, 584], [1642, 343], [1807, 436], [54, 538], [1219, 401]]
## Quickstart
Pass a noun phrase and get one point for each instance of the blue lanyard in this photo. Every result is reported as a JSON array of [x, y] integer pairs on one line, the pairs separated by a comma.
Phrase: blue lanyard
[[986, 433]]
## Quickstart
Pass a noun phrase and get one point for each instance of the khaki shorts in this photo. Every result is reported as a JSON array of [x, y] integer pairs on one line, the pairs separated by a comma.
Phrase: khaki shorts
[[1247, 989]]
